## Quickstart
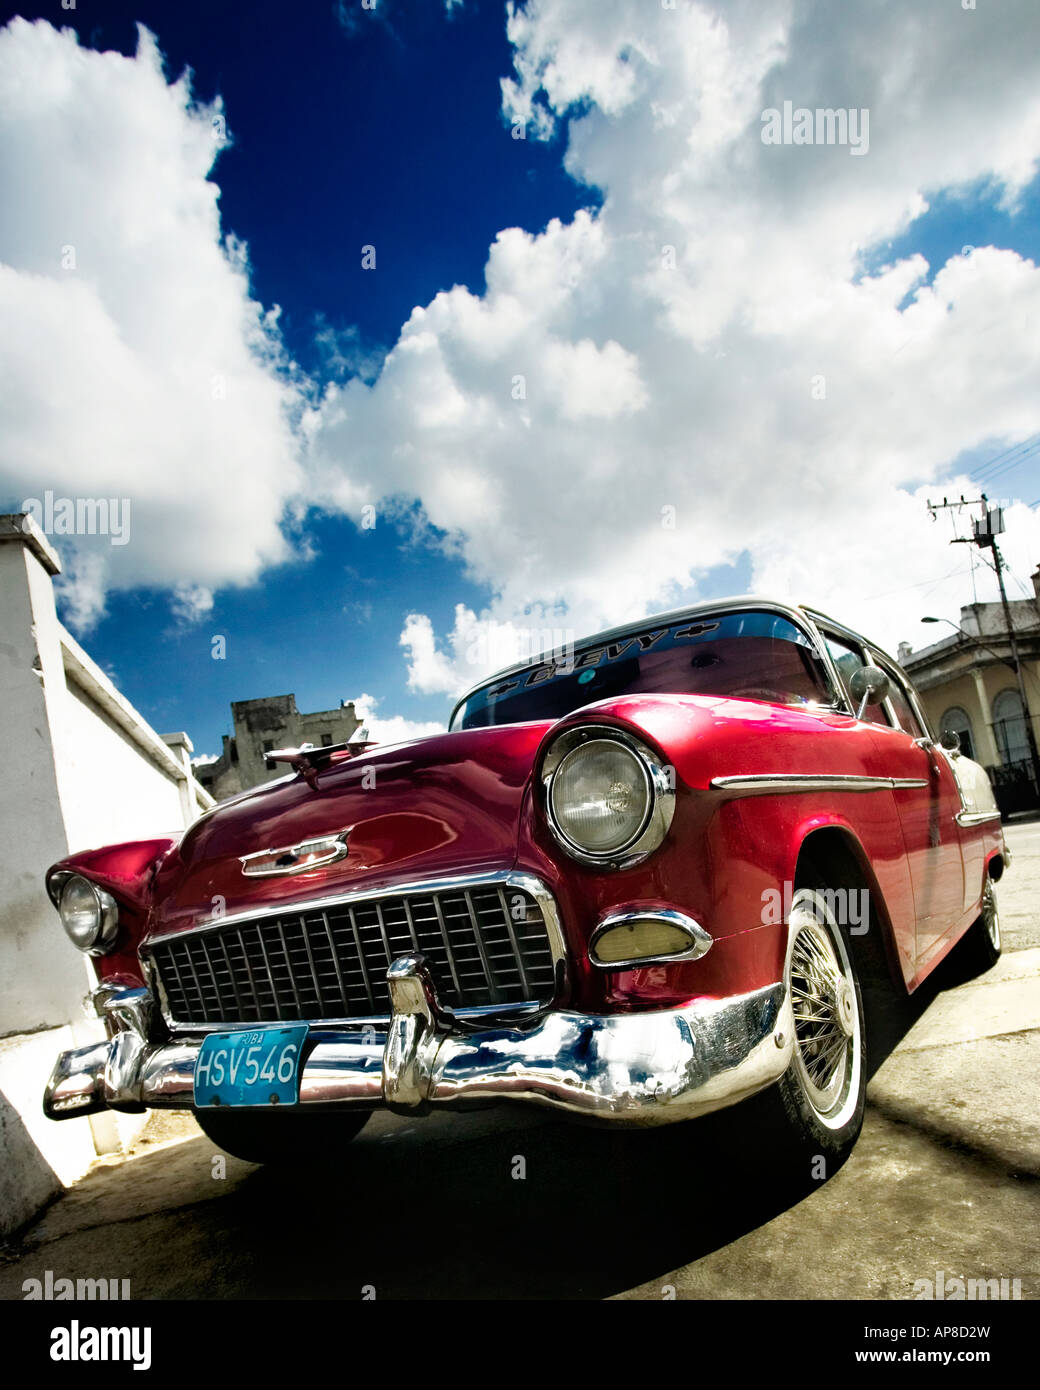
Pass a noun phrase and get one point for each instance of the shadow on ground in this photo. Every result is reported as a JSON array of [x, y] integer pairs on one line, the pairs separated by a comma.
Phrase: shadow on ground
[[596, 1213], [890, 1016]]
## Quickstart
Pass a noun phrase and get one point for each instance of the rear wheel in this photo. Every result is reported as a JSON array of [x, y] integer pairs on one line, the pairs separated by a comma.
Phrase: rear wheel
[[281, 1136], [982, 945], [816, 1108]]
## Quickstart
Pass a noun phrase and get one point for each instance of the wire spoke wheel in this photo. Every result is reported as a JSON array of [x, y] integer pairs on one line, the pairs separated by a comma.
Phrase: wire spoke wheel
[[828, 1057], [990, 916]]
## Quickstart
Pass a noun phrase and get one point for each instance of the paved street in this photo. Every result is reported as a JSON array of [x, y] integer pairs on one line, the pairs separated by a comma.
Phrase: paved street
[[944, 1178]]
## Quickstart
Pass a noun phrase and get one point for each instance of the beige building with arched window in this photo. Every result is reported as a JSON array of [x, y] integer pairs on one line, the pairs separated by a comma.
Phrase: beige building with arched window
[[967, 682]]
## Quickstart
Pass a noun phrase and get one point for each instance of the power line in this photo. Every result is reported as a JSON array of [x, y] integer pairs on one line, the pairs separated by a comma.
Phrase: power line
[[984, 467], [919, 585], [1012, 464]]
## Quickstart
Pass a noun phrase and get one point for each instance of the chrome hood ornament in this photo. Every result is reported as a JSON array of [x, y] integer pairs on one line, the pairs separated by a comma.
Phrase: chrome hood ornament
[[296, 859]]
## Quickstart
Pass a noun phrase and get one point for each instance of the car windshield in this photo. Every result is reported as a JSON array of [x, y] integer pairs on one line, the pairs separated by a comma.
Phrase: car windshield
[[752, 655]]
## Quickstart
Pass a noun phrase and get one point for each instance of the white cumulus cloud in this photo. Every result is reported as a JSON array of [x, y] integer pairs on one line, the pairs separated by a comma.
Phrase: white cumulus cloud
[[391, 728], [701, 370], [134, 362]]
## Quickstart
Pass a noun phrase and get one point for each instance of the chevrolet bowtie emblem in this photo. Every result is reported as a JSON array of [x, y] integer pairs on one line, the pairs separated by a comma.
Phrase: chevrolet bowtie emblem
[[296, 859]]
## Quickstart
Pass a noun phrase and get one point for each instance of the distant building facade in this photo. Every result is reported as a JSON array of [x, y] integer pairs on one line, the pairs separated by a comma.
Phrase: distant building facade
[[967, 682], [262, 725]]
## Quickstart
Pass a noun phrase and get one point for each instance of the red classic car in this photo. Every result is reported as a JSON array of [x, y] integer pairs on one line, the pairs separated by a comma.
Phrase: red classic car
[[636, 882]]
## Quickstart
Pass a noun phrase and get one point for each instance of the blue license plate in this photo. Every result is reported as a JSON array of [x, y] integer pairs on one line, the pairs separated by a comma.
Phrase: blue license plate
[[257, 1066]]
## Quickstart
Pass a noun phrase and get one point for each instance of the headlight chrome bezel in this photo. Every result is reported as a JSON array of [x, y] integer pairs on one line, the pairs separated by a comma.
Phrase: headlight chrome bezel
[[107, 923], [660, 797]]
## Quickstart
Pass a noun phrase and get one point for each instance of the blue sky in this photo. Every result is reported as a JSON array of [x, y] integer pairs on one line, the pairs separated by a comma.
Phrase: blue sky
[[383, 132], [351, 128]]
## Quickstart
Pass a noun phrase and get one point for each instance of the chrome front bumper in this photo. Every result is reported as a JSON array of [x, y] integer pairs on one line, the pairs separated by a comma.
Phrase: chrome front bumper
[[637, 1069]]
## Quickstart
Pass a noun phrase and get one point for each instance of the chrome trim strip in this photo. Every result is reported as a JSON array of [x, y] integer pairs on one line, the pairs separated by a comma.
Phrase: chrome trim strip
[[700, 941], [505, 879], [811, 782], [526, 1008], [975, 817]]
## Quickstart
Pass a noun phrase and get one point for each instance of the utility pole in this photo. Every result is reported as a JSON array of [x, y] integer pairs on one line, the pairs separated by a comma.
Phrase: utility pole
[[984, 534]]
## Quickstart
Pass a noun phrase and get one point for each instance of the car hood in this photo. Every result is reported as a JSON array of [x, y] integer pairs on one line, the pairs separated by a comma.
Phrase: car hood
[[449, 804]]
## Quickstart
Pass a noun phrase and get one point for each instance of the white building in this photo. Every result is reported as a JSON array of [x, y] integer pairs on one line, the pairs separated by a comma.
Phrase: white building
[[81, 768]]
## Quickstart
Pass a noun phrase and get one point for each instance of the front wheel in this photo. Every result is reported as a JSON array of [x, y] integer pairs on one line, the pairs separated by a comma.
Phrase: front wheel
[[816, 1107], [293, 1137]]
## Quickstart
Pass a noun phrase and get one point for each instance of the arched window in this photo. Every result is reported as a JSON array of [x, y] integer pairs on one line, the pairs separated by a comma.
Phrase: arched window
[[957, 719], [1009, 727]]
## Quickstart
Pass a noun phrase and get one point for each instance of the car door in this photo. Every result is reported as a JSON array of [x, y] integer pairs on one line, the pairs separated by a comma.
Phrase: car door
[[925, 795]]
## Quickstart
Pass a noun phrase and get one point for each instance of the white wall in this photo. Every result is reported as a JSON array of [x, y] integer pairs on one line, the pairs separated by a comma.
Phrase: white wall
[[37, 1157], [109, 792], [41, 980], [80, 769]]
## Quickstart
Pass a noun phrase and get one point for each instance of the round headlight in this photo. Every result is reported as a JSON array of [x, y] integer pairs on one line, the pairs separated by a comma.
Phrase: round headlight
[[601, 796], [88, 914]]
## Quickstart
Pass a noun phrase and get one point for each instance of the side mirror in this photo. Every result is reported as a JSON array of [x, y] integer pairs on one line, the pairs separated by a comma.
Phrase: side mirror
[[950, 740], [869, 685]]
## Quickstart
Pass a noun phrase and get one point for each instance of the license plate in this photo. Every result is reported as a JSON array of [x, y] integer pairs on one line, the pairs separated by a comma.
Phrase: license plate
[[257, 1066]]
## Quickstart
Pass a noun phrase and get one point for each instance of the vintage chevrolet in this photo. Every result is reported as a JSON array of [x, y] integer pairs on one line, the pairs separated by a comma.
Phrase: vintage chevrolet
[[635, 882]]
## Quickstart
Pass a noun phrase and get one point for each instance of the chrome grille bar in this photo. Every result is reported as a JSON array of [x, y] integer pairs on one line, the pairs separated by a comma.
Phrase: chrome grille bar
[[273, 983], [335, 960], [361, 958], [198, 986], [314, 969], [231, 973], [289, 968], [489, 973], [507, 917], [447, 946], [255, 1001]]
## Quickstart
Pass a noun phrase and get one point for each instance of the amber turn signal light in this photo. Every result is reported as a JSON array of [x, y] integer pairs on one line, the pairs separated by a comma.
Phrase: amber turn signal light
[[627, 940]]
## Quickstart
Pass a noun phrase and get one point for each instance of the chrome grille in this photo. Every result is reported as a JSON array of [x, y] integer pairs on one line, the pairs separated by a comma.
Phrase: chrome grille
[[485, 945]]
